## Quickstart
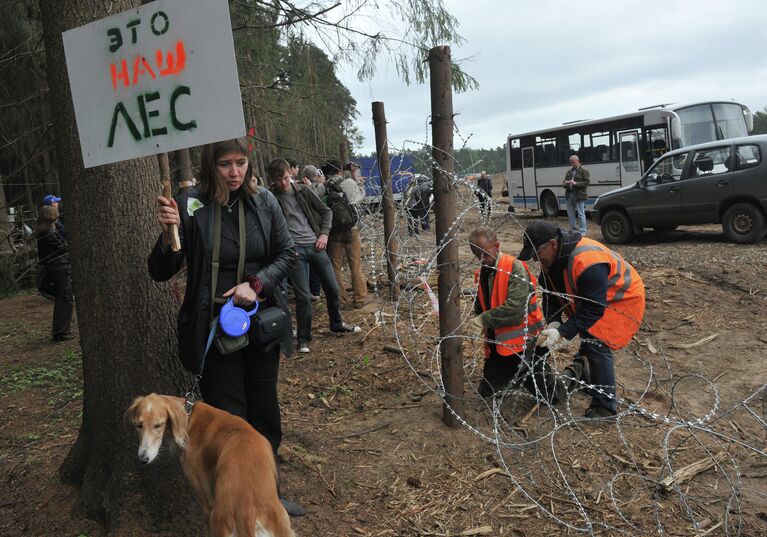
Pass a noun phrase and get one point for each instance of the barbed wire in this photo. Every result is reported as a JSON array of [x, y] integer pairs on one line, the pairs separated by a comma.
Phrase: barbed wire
[[585, 475]]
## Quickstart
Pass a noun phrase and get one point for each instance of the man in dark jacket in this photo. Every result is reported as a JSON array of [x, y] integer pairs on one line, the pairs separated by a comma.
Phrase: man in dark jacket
[[419, 205], [485, 195], [576, 185], [309, 222]]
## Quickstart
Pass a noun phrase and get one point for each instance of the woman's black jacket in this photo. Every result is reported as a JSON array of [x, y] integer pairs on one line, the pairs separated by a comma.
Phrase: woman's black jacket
[[196, 234]]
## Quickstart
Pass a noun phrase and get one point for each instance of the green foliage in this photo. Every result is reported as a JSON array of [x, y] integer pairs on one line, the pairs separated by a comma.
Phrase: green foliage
[[25, 136], [293, 100], [468, 161], [760, 122], [287, 55], [418, 26], [60, 376]]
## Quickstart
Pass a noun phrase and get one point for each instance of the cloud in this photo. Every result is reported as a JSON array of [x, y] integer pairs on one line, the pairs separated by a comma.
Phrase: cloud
[[543, 63]]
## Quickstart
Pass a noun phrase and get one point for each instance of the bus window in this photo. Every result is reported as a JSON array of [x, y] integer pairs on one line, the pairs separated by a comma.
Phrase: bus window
[[515, 155], [545, 151], [697, 124], [600, 141], [527, 157], [729, 121], [574, 143], [657, 142]]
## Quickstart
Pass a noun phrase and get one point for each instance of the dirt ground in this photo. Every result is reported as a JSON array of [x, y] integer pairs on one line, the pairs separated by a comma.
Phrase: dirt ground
[[367, 454]]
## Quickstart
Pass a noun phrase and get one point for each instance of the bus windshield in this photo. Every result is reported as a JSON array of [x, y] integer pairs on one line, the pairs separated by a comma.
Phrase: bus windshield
[[711, 121]]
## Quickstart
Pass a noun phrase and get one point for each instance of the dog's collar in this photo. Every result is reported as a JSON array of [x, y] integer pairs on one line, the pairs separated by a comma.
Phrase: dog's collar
[[189, 401]]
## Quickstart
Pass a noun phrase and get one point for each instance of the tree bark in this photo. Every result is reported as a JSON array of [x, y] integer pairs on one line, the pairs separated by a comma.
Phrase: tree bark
[[5, 225], [343, 151], [184, 160], [126, 321], [382, 151], [445, 203]]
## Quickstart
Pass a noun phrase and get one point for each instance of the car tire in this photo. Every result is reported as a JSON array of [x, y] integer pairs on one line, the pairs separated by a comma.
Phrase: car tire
[[616, 227], [549, 205], [743, 223]]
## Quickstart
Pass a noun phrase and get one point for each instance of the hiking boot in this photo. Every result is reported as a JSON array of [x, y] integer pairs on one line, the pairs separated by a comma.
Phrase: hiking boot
[[567, 382], [346, 328], [63, 337], [484, 389], [293, 508], [598, 413]]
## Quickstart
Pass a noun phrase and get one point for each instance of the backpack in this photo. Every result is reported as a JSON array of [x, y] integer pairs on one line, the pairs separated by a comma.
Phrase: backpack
[[344, 213]]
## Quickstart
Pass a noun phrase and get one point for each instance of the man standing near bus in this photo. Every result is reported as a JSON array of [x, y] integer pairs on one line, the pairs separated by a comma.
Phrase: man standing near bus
[[485, 195], [576, 185]]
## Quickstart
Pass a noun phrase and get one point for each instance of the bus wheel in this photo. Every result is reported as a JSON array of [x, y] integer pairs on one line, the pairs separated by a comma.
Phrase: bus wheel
[[743, 223], [550, 205], [617, 228]]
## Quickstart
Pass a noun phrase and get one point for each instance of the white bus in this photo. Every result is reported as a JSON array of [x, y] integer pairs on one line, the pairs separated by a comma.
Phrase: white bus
[[615, 150]]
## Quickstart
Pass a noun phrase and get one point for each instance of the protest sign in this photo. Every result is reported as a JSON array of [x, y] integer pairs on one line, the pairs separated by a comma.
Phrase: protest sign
[[154, 79]]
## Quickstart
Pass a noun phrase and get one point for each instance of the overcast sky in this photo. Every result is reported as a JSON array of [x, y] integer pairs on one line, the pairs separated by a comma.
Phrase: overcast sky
[[542, 63]]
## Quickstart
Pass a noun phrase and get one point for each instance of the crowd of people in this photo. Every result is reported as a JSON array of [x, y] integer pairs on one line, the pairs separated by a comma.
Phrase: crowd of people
[[245, 245]]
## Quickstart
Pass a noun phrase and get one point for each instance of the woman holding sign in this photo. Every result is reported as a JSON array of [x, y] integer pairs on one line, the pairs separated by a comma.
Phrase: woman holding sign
[[236, 244]]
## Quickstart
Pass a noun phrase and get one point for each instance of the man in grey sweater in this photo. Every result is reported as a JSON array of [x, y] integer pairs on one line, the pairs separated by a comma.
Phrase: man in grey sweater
[[309, 223]]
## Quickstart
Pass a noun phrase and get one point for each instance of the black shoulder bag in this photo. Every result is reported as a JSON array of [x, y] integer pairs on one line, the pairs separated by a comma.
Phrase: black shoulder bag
[[270, 324]]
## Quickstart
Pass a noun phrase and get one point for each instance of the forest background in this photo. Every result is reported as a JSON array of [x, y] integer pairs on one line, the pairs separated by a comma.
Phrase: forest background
[[294, 103]]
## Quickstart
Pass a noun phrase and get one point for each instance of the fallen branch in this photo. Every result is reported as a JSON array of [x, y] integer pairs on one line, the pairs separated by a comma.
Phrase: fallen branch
[[392, 349], [712, 528], [365, 337], [488, 473], [690, 471], [530, 412], [482, 530], [695, 344]]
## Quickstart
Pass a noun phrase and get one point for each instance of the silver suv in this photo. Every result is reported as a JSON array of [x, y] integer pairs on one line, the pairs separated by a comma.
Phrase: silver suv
[[717, 182]]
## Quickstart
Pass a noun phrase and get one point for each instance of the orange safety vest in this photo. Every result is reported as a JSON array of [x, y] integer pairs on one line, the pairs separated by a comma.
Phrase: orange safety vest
[[511, 339], [625, 293]]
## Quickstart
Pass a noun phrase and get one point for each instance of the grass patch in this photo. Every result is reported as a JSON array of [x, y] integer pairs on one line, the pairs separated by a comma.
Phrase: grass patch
[[62, 376]]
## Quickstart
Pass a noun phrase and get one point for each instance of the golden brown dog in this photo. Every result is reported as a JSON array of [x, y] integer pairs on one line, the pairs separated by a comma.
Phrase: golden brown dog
[[229, 465]]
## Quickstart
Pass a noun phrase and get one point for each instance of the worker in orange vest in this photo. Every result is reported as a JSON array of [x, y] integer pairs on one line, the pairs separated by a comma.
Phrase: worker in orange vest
[[602, 296], [509, 319]]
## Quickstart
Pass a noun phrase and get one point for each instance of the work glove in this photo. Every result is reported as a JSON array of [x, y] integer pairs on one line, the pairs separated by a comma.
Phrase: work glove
[[548, 337], [475, 327]]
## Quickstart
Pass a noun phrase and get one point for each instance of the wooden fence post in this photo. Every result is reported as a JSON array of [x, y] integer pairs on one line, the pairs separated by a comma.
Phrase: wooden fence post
[[382, 152], [445, 203]]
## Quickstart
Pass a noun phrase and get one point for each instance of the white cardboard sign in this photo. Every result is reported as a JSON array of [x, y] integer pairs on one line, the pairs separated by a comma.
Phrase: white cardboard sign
[[154, 79]]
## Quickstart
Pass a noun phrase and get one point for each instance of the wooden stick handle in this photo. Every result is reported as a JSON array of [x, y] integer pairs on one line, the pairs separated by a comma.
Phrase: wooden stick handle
[[162, 159]]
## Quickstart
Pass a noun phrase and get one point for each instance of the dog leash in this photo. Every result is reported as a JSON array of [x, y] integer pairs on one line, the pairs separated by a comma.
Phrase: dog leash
[[189, 398]]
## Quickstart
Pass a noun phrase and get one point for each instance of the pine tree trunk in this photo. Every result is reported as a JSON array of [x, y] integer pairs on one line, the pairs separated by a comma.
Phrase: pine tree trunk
[[5, 226], [126, 321]]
